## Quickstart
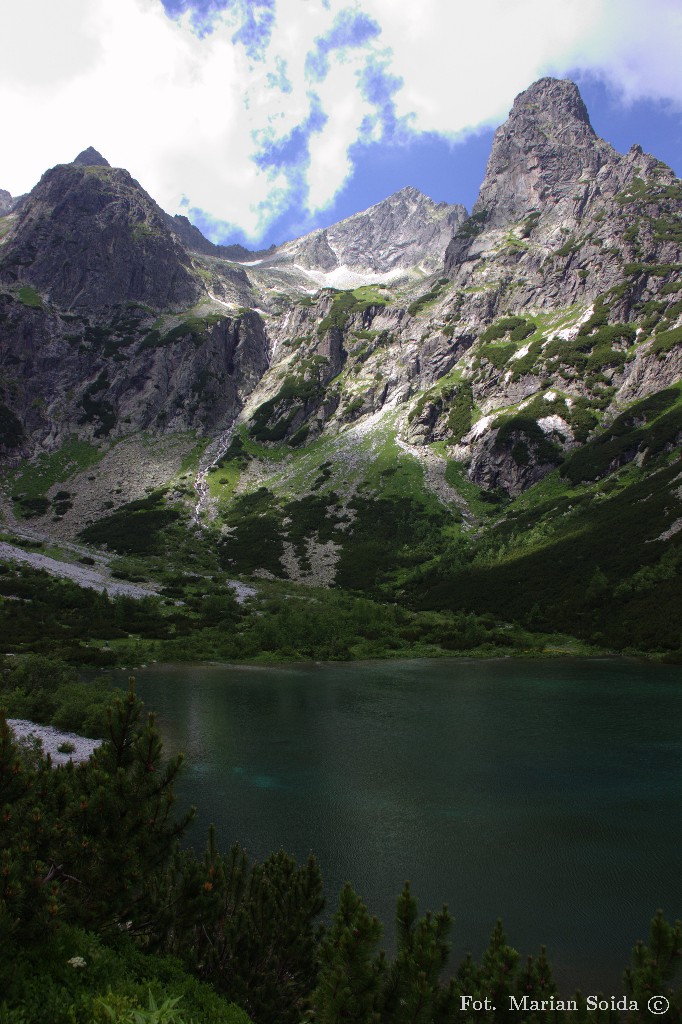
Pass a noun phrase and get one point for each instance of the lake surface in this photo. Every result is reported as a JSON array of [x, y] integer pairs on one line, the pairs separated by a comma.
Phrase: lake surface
[[547, 793]]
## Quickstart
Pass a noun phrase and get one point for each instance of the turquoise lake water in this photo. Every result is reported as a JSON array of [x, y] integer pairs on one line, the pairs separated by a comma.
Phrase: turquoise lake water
[[547, 793]]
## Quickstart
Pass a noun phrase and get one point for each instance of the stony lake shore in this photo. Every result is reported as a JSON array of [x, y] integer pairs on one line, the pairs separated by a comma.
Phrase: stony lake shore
[[52, 739]]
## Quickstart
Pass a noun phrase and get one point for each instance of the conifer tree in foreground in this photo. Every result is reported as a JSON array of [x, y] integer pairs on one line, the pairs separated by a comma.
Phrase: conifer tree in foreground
[[249, 929], [82, 842], [351, 969]]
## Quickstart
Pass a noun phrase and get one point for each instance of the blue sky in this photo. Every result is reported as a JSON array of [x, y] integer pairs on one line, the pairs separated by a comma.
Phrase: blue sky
[[262, 119]]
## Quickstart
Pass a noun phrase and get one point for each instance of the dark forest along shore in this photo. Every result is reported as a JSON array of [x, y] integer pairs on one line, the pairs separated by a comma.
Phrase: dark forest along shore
[[546, 793]]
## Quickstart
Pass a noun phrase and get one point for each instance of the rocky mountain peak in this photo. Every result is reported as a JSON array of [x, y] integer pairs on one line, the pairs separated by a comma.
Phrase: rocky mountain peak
[[551, 99], [549, 182], [91, 158], [404, 230], [544, 148], [408, 191], [89, 236]]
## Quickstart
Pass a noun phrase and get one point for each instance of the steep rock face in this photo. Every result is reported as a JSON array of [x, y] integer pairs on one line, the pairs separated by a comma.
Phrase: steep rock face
[[349, 360], [190, 236], [315, 253], [87, 265], [406, 229], [564, 226], [89, 237], [540, 154], [63, 375], [510, 464], [193, 240]]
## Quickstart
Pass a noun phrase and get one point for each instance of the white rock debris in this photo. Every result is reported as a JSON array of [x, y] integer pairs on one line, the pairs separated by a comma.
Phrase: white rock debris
[[555, 425], [51, 739], [83, 575]]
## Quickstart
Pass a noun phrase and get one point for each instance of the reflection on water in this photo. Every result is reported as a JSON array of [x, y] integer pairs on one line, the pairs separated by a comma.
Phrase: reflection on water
[[547, 793]]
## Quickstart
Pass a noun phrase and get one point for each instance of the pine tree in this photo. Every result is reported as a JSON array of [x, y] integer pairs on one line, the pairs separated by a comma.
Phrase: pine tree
[[498, 970], [534, 980], [351, 970], [413, 993], [84, 842], [249, 929], [118, 827], [654, 966], [28, 895]]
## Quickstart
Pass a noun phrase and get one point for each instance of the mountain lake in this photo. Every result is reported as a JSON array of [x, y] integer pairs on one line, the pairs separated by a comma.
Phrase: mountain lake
[[547, 792]]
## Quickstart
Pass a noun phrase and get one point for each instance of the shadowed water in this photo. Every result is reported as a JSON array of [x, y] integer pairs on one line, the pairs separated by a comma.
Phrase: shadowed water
[[548, 793]]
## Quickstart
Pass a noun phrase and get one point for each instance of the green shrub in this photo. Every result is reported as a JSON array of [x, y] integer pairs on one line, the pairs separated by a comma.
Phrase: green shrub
[[651, 269], [30, 508], [194, 329], [502, 327], [425, 300], [98, 409], [294, 395], [498, 355], [666, 341], [651, 425], [82, 708], [522, 331], [28, 296], [354, 406], [592, 348], [568, 248], [520, 433], [460, 415], [473, 225], [530, 223], [344, 304], [136, 528]]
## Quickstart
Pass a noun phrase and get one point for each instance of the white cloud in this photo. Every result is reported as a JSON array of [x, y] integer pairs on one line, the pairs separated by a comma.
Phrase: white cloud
[[329, 161], [186, 115], [464, 62], [44, 45], [636, 48]]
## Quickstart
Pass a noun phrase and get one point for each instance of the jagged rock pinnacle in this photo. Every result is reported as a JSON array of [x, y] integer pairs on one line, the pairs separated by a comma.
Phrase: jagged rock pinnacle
[[543, 148], [91, 158], [551, 99]]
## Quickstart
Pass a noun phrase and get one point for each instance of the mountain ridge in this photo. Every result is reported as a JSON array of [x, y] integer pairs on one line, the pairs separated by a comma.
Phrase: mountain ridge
[[355, 378]]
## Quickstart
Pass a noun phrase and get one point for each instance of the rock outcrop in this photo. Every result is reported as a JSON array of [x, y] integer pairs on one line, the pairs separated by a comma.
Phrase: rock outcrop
[[65, 375], [6, 202], [544, 153], [548, 214]]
